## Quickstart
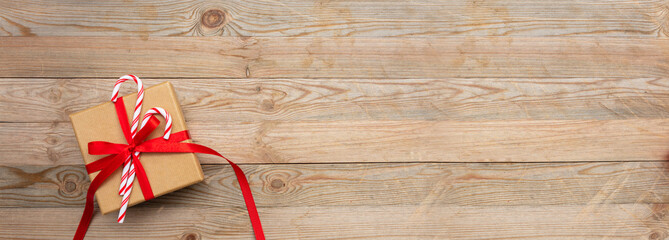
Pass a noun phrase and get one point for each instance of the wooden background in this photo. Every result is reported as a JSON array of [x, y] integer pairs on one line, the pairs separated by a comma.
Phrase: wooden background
[[354, 119]]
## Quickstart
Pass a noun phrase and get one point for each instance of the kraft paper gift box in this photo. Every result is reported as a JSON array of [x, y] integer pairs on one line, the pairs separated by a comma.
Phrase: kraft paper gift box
[[166, 172]]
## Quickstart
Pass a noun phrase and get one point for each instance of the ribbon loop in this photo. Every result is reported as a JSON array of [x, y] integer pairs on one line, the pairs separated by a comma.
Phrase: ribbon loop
[[103, 148]]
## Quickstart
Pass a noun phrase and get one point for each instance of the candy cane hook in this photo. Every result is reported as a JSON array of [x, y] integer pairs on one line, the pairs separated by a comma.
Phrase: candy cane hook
[[138, 103], [166, 115]]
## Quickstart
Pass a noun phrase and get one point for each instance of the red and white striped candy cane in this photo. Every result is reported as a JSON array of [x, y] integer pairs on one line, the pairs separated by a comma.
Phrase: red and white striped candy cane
[[131, 178], [128, 166]]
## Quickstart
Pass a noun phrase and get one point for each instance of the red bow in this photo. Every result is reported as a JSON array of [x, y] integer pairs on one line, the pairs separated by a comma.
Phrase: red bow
[[120, 152]]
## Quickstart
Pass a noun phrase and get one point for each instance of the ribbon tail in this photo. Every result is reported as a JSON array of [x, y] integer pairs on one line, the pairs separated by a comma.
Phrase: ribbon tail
[[243, 185], [87, 216], [161, 145], [248, 199]]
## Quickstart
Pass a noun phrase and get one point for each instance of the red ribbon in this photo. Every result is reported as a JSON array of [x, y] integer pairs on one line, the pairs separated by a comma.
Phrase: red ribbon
[[120, 152]]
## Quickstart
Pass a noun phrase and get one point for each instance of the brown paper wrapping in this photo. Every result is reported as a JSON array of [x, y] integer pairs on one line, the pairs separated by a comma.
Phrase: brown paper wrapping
[[167, 172]]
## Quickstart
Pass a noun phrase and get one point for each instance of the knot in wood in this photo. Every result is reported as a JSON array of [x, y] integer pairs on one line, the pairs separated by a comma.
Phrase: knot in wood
[[69, 187], [655, 235], [277, 184], [52, 140], [213, 18], [191, 236], [280, 181], [55, 94], [267, 105]]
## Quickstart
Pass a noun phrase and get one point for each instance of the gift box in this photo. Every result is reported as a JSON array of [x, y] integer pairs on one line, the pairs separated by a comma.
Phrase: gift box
[[166, 172], [121, 154]]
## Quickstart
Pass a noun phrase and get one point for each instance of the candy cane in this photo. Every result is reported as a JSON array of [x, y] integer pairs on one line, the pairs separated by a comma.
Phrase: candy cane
[[128, 167], [131, 178], [166, 115]]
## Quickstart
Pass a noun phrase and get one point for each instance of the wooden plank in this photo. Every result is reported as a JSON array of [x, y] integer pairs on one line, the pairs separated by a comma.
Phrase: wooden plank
[[378, 141], [461, 99], [332, 18], [606, 221], [311, 57], [379, 184]]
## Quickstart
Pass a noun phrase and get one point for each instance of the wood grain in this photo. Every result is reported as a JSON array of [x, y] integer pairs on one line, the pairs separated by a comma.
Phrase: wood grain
[[378, 141], [333, 18], [345, 58], [475, 119], [390, 184], [460, 99], [608, 221]]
